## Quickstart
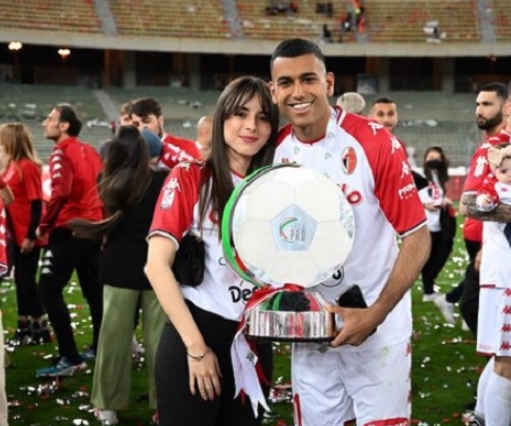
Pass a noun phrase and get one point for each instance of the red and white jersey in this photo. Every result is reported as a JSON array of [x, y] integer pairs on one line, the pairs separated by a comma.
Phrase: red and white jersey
[[176, 213], [176, 149], [496, 257], [371, 168], [478, 170]]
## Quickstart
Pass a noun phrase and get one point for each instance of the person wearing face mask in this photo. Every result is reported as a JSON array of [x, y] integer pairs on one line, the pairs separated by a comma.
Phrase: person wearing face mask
[[441, 218]]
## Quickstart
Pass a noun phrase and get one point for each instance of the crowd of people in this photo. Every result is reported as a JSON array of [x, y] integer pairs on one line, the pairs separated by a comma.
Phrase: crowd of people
[[119, 218]]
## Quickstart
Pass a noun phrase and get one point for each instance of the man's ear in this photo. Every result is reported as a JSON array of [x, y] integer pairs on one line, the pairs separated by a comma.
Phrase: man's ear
[[272, 91], [330, 82]]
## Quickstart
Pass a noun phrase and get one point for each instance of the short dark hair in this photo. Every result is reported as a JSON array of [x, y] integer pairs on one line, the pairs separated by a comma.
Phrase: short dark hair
[[294, 47], [500, 89], [509, 89], [68, 114], [144, 107], [383, 100]]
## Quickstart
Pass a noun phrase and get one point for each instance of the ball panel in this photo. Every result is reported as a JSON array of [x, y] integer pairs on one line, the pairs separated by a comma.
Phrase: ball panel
[[318, 200], [331, 246]]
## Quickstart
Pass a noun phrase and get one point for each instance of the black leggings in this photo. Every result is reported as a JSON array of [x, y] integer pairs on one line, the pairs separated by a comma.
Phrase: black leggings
[[176, 405], [441, 248]]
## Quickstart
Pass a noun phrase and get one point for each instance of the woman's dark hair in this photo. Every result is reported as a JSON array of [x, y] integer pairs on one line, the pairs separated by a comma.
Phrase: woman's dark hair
[[235, 95], [126, 176], [442, 172]]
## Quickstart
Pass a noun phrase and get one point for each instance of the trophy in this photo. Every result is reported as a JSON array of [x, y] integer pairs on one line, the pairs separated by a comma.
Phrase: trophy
[[287, 228]]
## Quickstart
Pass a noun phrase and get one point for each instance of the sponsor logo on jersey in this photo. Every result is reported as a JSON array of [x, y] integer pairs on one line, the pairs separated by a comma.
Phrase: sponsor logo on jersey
[[353, 196], [169, 193], [406, 191], [241, 294], [349, 160]]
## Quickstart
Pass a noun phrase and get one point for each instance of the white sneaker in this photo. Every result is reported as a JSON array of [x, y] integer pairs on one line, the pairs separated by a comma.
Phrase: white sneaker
[[464, 326], [446, 308], [430, 297], [106, 417], [136, 348]]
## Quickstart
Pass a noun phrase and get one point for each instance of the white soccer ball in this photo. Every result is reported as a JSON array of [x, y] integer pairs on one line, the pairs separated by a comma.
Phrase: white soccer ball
[[292, 225]]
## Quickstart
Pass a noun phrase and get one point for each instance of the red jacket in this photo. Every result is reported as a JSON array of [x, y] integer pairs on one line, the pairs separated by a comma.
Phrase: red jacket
[[74, 168]]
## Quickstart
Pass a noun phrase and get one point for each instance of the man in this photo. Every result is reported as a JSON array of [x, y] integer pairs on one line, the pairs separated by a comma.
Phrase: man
[[489, 113], [204, 134], [494, 389], [74, 167], [360, 372], [384, 111], [352, 102], [147, 113]]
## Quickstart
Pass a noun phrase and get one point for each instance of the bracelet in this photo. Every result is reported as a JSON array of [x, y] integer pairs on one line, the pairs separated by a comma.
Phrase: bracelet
[[198, 358]]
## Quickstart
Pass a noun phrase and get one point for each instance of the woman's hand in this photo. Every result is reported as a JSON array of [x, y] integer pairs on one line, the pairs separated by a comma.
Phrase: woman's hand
[[205, 373]]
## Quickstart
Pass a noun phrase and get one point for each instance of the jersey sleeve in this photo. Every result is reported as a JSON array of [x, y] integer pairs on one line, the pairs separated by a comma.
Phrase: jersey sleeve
[[32, 181], [174, 210], [176, 150], [61, 172], [478, 169], [394, 185]]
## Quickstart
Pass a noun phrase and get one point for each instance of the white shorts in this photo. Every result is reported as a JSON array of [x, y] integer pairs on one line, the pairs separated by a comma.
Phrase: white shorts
[[332, 388], [494, 321]]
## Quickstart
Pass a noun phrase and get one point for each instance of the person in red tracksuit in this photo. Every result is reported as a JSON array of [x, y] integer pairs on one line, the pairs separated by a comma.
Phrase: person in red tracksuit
[[147, 113], [74, 168]]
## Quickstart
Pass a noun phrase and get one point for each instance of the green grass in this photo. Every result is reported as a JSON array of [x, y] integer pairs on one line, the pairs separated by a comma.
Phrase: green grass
[[444, 374]]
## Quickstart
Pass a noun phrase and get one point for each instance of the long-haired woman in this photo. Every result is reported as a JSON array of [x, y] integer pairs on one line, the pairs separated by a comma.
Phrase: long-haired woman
[[194, 371], [22, 173], [129, 188]]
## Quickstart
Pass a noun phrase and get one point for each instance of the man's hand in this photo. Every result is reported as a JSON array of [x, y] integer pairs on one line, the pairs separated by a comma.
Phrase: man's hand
[[358, 324], [27, 246]]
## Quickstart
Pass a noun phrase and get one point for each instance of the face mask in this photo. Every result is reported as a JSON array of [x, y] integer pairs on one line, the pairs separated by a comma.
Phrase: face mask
[[434, 164]]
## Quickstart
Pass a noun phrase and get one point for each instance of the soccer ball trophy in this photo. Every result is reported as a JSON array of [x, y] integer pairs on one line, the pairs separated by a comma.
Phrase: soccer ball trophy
[[285, 229]]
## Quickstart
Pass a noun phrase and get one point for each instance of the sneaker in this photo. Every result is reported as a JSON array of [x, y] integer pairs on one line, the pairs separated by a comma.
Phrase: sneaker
[[88, 355], [472, 419], [62, 368], [446, 308], [106, 417], [23, 334], [155, 420], [430, 297], [40, 333]]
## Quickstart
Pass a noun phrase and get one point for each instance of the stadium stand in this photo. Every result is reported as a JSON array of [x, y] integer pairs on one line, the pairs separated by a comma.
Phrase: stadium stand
[[502, 16], [403, 21], [305, 23], [202, 19], [59, 15], [31, 104]]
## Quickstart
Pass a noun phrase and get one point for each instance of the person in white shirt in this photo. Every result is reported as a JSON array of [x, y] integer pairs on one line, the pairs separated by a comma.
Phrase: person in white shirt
[[362, 375]]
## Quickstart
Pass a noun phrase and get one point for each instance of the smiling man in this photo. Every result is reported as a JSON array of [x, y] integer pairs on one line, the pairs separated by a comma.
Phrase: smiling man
[[363, 159]]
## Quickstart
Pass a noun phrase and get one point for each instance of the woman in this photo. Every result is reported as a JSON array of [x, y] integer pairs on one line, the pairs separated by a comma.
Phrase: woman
[[22, 173], [129, 188], [440, 215], [195, 380]]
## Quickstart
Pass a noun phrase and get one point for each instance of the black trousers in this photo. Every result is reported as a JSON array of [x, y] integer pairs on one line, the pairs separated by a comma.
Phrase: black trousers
[[441, 248], [25, 271], [61, 257], [176, 405], [469, 303]]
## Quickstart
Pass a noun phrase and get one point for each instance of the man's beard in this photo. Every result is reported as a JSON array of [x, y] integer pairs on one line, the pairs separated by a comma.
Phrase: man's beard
[[490, 123]]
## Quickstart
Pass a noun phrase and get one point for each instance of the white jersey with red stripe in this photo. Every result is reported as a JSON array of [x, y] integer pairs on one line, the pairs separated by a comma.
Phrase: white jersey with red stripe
[[177, 212], [496, 256], [371, 168]]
